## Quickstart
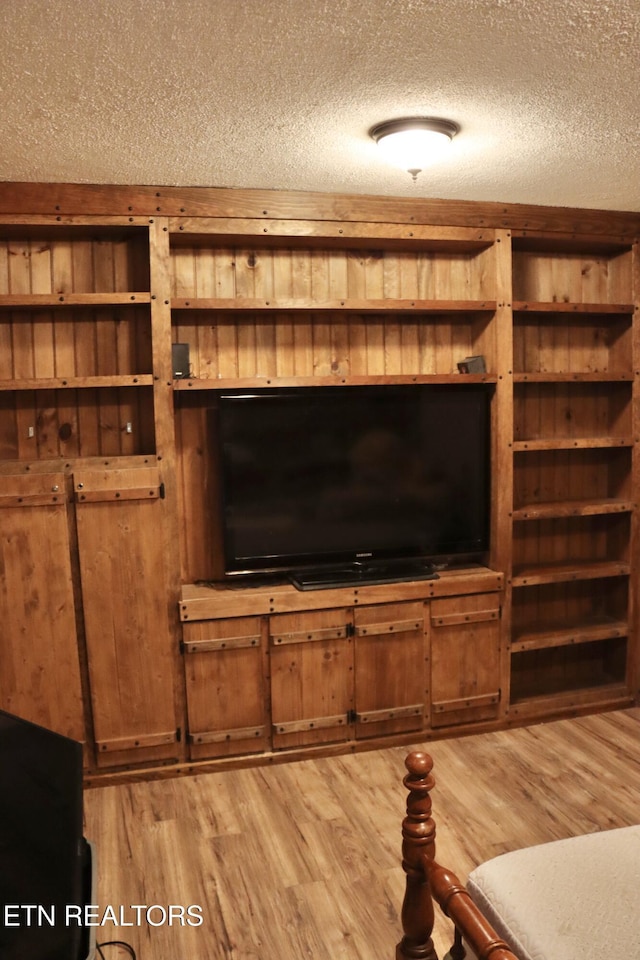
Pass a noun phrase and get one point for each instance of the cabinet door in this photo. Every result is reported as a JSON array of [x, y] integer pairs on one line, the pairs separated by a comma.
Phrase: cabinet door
[[130, 651], [225, 678], [465, 659], [311, 677], [39, 665], [390, 668]]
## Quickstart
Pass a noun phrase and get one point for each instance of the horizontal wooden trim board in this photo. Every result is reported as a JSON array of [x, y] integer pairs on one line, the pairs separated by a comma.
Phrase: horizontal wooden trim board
[[317, 723], [391, 713], [227, 643], [560, 306], [33, 499], [573, 508], [191, 230], [192, 385], [78, 383], [304, 636], [49, 300], [614, 229], [464, 703], [360, 305], [603, 376], [128, 493], [563, 636], [211, 601], [565, 572], [134, 742], [475, 616], [224, 736], [572, 443], [605, 697], [386, 627]]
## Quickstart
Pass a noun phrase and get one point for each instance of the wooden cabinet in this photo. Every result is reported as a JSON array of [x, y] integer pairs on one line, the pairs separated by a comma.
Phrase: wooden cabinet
[[336, 674], [227, 686], [312, 666], [391, 689], [106, 583], [339, 673], [465, 659]]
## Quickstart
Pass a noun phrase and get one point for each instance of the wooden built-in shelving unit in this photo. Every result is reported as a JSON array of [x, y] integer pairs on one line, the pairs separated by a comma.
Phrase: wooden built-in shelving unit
[[115, 632]]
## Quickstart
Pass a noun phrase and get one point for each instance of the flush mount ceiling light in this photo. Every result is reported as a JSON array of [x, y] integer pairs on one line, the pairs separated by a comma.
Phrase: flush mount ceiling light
[[413, 142]]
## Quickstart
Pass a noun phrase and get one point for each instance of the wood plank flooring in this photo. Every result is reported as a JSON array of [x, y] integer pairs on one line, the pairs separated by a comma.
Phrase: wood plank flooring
[[302, 860]]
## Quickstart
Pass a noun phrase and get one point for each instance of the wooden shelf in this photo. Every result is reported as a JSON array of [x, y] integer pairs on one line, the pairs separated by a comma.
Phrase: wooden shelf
[[41, 301], [226, 231], [78, 383], [607, 695], [318, 306], [201, 601], [599, 376], [547, 242], [568, 571], [571, 443], [242, 383], [572, 508], [560, 634], [556, 306]]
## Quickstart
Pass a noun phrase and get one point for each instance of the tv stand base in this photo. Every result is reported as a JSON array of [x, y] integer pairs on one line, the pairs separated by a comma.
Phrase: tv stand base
[[356, 574]]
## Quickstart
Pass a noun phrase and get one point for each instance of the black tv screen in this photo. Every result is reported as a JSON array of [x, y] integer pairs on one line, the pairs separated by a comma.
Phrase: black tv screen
[[331, 475], [42, 849]]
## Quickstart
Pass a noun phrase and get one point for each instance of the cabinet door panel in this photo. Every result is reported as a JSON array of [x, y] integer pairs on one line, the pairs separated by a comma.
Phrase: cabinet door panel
[[39, 664], [311, 677], [390, 668], [129, 647], [226, 697], [465, 659]]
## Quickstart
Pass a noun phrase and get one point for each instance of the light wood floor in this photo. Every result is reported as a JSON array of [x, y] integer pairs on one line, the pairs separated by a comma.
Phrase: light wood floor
[[302, 860]]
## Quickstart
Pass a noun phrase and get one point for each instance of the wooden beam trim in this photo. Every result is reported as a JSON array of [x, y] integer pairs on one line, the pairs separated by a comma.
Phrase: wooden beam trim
[[389, 626], [316, 723], [465, 703], [223, 736], [391, 713], [477, 616], [219, 644], [310, 636], [69, 199], [134, 743]]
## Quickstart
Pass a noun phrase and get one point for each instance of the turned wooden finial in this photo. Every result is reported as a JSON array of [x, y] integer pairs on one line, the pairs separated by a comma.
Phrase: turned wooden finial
[[419, 781], [418, 841]]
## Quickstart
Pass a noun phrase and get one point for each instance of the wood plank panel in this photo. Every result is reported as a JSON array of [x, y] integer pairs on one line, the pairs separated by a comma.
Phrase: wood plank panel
[[465, 659], [311, 680], [390, 668], [226, 691], [39, 663], [130, 650], [571, 277]]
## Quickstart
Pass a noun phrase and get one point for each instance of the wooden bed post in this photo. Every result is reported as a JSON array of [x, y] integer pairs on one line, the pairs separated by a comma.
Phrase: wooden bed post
[[418, 841]]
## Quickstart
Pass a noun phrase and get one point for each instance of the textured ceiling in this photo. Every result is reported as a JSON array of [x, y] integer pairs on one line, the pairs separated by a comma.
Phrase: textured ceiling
[[281, 93]]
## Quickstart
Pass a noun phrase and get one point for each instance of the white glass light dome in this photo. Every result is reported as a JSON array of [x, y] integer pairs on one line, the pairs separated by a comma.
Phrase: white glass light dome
[[412, 143]]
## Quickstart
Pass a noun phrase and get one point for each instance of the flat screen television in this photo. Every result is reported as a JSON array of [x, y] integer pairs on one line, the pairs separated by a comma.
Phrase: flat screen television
[[359, 482], [45, 862]]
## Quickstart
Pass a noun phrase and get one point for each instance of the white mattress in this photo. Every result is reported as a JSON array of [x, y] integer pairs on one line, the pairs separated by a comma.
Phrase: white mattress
[[575, 899]]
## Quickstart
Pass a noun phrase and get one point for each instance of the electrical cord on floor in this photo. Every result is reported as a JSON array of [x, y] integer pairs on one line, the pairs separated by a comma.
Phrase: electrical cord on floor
[[115, 943]]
